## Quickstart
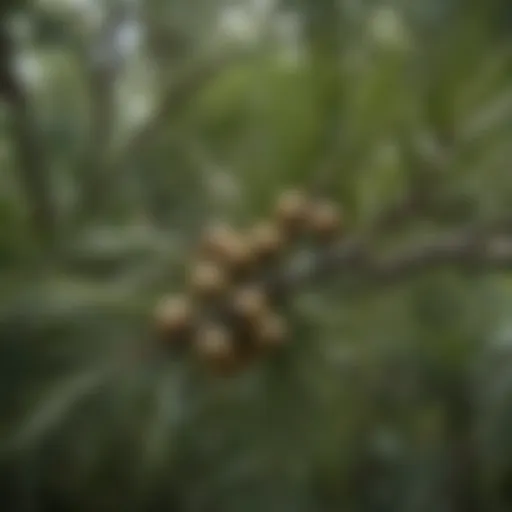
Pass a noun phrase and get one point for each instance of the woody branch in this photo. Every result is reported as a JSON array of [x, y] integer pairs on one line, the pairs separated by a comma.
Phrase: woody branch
[[484, 248]]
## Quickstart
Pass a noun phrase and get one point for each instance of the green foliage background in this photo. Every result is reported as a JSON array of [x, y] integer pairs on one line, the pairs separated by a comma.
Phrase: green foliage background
[[389, 399]]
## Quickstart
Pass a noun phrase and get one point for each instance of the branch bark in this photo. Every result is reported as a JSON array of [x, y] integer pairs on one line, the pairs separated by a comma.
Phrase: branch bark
[[476, 248]]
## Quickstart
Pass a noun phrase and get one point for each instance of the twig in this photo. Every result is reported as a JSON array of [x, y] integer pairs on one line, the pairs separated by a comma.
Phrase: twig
[[483, 248], [462, 251]]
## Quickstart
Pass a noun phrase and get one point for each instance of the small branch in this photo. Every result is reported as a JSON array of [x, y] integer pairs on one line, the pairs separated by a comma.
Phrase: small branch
[[461, 251], [485, 248]]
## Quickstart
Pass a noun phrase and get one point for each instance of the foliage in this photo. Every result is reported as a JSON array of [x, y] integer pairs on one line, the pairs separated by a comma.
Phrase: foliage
[[115, 150]]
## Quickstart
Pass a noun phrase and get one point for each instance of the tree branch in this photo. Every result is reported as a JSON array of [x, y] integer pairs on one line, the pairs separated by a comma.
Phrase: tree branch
[[481, 248]]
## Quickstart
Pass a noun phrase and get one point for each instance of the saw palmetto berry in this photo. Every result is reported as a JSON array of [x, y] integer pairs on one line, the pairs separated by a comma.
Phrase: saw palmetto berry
[[230, 313]]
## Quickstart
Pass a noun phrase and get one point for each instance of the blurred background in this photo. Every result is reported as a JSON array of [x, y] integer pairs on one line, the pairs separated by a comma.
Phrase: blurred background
[[126, 125]]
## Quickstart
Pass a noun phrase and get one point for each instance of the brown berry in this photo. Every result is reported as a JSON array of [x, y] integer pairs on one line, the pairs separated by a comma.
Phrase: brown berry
[[173, 314], [272, 331], [217, 240], [266, 240], [237, 255], [207, 279], [325, 220], [292, 209], [225, 246], [214, 345], [250, 302]]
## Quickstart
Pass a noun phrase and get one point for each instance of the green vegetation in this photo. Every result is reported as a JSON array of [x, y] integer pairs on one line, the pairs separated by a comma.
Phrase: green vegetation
[[126, 127]]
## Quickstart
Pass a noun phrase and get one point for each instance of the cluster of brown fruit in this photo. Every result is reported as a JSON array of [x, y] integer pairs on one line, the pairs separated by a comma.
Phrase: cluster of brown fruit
[[228, 314]]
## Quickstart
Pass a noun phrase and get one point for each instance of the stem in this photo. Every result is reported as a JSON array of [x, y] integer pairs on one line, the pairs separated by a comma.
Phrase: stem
[[476, 248]]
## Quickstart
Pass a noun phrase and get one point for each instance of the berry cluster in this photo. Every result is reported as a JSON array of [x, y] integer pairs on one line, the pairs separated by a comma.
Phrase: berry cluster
[[229, 314]]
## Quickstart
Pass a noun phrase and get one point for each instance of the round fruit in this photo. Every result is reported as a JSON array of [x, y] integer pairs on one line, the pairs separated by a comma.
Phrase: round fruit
[[214, 345], [266, 240], [173, 314], [217, 240], [237, 255], [292, 208], [208, 279], [250, 302], [272, 331], [325, 220]]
